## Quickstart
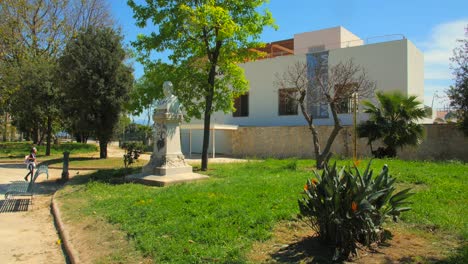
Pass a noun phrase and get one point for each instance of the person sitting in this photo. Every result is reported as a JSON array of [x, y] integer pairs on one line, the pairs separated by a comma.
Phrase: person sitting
[[31, 163]]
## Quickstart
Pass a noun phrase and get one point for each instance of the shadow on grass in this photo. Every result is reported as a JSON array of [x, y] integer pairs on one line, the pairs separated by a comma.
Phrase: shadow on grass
[[308, 250], [313, 250], [111, 176]]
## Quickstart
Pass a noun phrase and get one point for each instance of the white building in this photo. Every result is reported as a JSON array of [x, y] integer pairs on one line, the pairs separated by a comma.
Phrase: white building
[[393, 65]]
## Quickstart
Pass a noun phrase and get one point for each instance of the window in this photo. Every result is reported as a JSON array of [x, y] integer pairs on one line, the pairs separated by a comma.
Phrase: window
[[241, 104], [346, 105], [287, 103]]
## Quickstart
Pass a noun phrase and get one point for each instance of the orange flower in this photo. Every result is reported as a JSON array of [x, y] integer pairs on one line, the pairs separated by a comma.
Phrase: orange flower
[[306, 187], [354, 206], [356, 162], [314, 181]]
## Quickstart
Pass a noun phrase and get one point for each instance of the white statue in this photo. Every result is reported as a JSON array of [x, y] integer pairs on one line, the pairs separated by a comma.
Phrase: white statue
[[167, 164], [170, 103]]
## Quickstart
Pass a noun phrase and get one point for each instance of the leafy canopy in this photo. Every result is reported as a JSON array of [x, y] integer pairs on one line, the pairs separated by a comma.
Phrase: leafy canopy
[[206, 40], [458, 93], [96, 81]]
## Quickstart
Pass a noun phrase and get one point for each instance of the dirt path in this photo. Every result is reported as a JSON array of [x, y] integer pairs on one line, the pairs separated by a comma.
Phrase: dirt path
[[27, 232]]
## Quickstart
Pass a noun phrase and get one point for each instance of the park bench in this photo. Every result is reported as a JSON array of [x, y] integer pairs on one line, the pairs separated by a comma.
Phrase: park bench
[[25, 188]]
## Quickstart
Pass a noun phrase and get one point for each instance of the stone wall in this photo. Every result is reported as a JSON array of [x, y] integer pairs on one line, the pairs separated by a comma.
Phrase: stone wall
[[440, 142]]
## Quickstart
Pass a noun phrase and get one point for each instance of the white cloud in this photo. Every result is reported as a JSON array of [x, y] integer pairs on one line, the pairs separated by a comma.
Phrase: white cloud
[[431, 89], [438, 49], [437, 52], [437, 73]]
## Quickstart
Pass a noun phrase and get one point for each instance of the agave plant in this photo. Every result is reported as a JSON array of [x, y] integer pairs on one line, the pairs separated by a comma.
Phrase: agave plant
[[347, 209]]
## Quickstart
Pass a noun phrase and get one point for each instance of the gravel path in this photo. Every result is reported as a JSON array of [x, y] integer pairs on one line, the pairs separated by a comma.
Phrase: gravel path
[[27, 232]]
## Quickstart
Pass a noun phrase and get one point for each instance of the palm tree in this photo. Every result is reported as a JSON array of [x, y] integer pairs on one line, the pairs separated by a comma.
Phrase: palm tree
[[394, 121]]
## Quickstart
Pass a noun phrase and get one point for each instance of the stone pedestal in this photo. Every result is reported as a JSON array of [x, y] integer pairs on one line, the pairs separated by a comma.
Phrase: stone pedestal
[[167, 157], [167, 164]]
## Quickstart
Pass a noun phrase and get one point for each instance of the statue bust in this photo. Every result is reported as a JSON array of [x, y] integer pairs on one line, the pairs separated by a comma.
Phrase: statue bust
[[170, 103]]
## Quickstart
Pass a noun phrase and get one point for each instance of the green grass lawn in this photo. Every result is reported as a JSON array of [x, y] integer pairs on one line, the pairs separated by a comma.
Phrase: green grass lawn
[[218, 220], [17, 150]]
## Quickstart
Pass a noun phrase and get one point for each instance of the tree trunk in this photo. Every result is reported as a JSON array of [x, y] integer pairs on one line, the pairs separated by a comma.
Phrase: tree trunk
[[49, 134], [209, 103], [102, 149], [35, 135], [206, 141], [326, 154], [41, 138], [5, 128], [206, 129]]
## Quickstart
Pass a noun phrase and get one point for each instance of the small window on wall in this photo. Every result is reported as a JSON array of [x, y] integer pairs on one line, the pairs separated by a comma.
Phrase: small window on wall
[[241, 104], [287, 103], [346, 105]]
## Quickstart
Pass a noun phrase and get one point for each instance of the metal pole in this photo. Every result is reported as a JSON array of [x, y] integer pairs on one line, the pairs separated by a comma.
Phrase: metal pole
[[355, 96]]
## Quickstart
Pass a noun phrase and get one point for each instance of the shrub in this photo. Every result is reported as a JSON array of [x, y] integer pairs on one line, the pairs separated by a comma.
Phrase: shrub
[[133, 152], [347, 209]]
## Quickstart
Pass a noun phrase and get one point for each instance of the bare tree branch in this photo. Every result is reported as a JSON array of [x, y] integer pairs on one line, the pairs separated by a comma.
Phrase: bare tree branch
[[326, 85]]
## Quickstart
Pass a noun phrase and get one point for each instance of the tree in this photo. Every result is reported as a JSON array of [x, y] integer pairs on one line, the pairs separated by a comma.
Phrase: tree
[[318, 86], [96, 81], [34, 33], [458, 93], [207, 39], [394, 121]]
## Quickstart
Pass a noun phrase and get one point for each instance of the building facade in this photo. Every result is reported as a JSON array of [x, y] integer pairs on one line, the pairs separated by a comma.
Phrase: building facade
[[394, 65]]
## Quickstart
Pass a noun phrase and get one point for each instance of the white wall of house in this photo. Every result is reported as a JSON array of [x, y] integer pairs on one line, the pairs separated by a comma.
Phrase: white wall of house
[[263, 94], [415, 71], [223, 141], [394, 65], [330, 38], [348, 39], [386, 63]]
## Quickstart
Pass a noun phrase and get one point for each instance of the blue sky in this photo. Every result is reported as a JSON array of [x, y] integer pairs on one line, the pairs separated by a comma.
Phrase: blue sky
[[433, 26]]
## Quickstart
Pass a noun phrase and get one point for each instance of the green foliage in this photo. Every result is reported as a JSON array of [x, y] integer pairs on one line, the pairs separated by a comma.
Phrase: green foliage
[[346, 209], [96, 82], [137, 132], [20, 149], [394, 121], [206, 40], [458, 93], [133, 152], [33, 35]]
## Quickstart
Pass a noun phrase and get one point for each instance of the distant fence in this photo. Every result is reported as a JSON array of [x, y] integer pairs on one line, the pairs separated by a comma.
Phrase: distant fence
[[441, 142]]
